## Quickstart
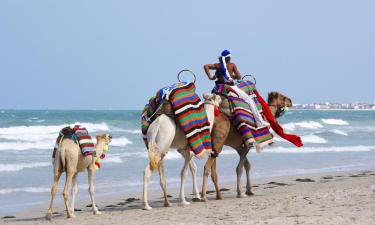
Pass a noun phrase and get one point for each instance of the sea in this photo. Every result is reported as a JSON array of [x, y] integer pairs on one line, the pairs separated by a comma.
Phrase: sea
[[334, 140]]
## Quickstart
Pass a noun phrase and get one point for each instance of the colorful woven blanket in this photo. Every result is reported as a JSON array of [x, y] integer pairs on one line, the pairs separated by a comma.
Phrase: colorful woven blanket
[[242, 116], [78, 134], [189, 113]]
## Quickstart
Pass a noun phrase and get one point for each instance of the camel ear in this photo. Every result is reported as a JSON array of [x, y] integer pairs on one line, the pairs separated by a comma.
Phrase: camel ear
[[208, 96], [100, 136]]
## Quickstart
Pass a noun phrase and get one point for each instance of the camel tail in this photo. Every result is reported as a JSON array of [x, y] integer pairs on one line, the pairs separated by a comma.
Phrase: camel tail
[[152, 147], [62, 158]]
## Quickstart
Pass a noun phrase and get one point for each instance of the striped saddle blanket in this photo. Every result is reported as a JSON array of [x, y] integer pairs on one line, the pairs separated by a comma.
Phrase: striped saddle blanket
[[78, 134], [242, 116], [189, 113]]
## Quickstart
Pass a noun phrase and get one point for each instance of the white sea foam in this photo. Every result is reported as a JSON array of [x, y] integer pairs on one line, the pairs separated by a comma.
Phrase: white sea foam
[[112, 159], [339, 122], [25, 189], [21, 166], [21, 146], [340, 132], [40, 137], [314, 139], [131, 131], [119, 142], [54, 129], [32, 137], [173, 155], [359, 148], [304, 125]]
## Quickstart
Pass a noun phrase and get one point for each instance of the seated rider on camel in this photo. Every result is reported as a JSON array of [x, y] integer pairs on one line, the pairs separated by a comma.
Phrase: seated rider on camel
[[226, 72]]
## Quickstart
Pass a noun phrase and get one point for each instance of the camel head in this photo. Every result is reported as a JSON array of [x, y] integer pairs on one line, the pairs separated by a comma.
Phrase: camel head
[[102, 141], [278, 103]]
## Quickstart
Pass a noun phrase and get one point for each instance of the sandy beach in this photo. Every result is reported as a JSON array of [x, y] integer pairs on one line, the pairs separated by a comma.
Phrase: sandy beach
[[335, 198]]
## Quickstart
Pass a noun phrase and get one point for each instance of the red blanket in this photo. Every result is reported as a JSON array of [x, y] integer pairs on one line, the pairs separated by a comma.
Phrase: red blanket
[[296, 140]]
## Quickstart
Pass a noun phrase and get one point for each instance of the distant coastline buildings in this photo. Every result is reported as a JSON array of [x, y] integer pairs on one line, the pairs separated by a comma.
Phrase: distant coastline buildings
[[327, 105]]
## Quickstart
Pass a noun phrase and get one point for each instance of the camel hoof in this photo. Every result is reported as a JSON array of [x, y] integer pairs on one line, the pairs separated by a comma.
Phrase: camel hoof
[[185, 203], [249, 193], [219, 197], [241, 195], [71, 216], [204, 199], [196, 199], [147, 207], [167, 204], [97, 213], [49, 216]]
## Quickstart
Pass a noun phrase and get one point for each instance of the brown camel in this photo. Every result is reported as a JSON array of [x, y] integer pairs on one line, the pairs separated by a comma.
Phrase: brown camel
[[69, 158], [223, 133]]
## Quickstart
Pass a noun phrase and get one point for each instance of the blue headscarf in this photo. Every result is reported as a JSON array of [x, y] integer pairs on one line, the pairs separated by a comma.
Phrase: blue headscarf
[[223, 67]]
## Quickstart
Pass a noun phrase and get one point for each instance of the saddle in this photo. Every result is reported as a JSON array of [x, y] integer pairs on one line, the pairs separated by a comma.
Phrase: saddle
[[165, 108]]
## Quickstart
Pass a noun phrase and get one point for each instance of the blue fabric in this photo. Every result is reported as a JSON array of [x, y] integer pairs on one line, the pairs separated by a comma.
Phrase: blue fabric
[[225, 53]]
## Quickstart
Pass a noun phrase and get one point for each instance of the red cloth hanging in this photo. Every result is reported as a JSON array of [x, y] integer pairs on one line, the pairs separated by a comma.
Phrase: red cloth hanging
[[296, 140]]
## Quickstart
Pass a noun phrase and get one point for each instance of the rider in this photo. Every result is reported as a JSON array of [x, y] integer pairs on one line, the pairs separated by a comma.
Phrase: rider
[[225, 73]]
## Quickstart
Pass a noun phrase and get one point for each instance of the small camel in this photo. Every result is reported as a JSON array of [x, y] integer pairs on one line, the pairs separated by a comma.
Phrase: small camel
[[69, 158], [164, 134], [223, 133]]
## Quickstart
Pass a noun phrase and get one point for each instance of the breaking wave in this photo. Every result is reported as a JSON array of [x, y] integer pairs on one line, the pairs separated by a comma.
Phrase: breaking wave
[[119, 142], [21, 146], [340, 132], [24, 189], [304, 124], [359, 148], [339, 122], [314, 139], [21, 166]]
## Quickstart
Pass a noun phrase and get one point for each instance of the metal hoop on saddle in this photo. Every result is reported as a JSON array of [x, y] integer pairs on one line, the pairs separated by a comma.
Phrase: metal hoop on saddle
[[178, 75], [251, 76]]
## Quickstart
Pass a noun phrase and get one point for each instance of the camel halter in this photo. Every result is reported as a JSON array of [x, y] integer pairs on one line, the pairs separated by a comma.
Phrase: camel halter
[[97, 164]]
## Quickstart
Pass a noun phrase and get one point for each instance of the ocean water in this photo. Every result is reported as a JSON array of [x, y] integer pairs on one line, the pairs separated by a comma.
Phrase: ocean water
[[334, 141]]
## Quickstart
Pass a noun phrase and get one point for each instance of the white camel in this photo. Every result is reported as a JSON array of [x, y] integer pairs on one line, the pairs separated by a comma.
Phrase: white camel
[[69, 158], [164, 134]]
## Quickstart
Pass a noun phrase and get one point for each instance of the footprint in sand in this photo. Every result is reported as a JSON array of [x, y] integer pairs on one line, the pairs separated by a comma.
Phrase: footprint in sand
[[305, 180]]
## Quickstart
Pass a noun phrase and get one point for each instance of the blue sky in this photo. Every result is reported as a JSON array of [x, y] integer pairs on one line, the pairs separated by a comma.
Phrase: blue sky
[[116, 54]]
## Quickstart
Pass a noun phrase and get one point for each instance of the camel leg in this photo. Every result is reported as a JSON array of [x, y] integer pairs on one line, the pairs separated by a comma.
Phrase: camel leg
[[56, 178], [248, 183], [193, 169], [146, 178], [219, 196], [74, 192], [163, 184], [184, 173], [90, 173], [69, 176], [239, 171], [207, 168]]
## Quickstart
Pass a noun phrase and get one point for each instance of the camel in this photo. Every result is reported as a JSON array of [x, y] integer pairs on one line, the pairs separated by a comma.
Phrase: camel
[[223, 133], [164, 134], [69, 158]]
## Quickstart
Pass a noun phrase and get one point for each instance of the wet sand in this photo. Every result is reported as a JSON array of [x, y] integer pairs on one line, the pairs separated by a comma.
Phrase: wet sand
[[335, 198]]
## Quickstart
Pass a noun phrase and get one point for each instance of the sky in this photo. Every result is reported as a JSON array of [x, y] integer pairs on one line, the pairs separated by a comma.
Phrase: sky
[[92, 54]]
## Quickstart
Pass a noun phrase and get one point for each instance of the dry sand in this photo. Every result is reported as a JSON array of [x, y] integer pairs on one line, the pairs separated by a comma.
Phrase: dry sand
[[344, 198]]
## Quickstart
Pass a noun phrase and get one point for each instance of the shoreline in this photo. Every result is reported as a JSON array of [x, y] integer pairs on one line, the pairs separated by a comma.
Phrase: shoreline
[[272, 201]]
